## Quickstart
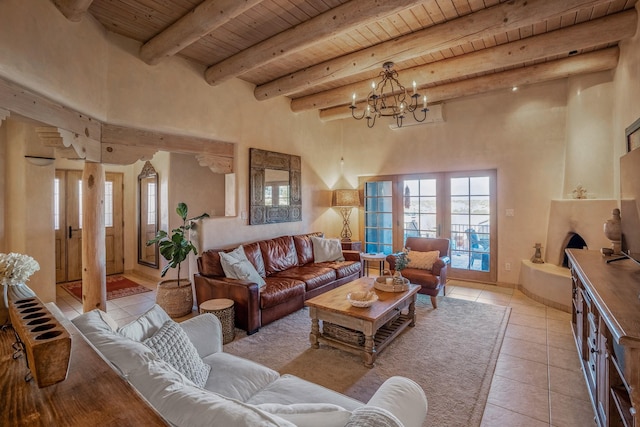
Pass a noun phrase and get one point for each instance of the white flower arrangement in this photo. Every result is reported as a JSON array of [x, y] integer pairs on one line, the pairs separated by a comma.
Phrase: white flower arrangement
[[15, 269]]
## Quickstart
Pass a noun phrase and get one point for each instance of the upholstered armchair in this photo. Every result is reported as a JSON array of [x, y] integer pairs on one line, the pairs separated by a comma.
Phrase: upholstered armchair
[[427, 268]]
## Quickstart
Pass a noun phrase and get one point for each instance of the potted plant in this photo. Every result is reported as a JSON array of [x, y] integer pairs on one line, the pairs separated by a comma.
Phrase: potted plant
[[175, 296], [402, 261]]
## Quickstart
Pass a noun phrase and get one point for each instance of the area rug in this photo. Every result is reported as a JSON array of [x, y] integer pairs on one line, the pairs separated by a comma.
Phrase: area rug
[[451, 352], [117, 287]]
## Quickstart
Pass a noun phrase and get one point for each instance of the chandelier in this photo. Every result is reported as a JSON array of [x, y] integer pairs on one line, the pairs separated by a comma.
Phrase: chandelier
[[388, 98]]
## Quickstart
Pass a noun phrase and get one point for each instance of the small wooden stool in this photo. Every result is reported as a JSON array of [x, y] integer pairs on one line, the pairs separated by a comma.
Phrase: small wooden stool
[[223, 309]]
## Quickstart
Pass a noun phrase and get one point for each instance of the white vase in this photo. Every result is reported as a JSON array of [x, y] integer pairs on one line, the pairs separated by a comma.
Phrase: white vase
[[12, 293]]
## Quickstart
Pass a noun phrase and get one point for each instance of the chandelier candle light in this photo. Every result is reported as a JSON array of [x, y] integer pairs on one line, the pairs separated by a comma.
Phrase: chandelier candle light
[[388, 98], [345, 200]]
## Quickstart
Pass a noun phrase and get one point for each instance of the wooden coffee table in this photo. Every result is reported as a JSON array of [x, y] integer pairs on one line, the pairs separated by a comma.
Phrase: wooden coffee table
[[379, 324]]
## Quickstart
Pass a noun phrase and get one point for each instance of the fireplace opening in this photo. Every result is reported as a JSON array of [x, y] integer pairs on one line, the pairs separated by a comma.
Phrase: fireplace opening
[[572, 241]]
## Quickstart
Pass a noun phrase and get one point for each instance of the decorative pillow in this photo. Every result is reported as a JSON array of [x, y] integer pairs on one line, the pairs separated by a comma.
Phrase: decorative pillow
[[423, 260], [309, 414], [236, 266], [326, 249], [172, 345], [372, 416], [146, 325]]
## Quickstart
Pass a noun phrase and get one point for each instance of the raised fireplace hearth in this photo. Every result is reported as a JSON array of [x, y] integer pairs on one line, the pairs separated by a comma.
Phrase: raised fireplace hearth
[[572, 224]]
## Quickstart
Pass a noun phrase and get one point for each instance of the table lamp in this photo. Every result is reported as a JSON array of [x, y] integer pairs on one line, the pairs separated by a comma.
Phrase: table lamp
[[345, 200]]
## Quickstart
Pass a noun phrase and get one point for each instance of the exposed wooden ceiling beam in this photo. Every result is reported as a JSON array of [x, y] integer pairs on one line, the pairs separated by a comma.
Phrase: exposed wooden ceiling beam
[[488, 22], [92, 139], [601, 60], [202, 20], [22, 101], [326, 25], [73, 9], [121, 135], [69, 145], [605, 30]]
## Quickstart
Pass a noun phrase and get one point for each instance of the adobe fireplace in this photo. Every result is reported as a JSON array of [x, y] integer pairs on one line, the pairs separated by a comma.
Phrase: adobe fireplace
[[572, 224]]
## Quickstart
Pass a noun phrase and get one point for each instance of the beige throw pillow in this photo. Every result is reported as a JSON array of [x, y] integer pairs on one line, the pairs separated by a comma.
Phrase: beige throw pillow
[[423, 260], [326, 250], [236, 266]]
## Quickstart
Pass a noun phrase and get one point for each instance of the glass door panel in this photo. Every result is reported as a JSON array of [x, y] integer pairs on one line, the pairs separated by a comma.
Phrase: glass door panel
[[378, 228], [420, 208], [471, 203]]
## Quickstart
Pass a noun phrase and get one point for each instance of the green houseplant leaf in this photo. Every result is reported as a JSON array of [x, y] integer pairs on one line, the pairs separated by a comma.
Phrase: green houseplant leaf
[[175, 248]]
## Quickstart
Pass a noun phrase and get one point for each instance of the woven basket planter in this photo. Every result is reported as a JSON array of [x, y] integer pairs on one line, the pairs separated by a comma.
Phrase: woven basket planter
[[176, 300]]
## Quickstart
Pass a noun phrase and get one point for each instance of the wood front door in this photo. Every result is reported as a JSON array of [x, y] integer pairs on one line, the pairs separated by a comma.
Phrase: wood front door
[[68, 224]]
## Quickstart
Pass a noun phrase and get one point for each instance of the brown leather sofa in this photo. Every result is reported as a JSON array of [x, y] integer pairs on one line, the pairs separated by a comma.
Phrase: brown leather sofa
[[291, 276], [430, 281]]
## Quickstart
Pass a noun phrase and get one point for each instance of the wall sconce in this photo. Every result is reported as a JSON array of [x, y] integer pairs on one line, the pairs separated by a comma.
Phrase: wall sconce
[[345, 200]]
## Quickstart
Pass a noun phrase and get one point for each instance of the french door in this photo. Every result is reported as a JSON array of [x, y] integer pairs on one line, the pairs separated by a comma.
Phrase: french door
[[459, 206], [68, 224]]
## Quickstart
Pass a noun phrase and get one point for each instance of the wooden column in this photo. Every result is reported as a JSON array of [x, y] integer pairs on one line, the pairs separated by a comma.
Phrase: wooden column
[[94, 283]]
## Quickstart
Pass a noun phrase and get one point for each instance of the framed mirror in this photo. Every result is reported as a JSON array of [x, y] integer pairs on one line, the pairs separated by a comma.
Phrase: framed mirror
[[275, 187], [148, 216]]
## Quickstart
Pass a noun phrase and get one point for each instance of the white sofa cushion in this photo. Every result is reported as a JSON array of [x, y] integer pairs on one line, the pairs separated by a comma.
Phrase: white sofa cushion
[[146, 325], [371, 416], [172, 345], [289, 389], [186, 405], [237, 378], [309, 414]]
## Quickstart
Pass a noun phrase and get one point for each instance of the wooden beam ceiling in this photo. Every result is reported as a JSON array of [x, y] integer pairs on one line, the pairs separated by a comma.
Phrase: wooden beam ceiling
[[319, 52], [504, 17], [321, 28], [560, 42], [602, 60], [204, 19]]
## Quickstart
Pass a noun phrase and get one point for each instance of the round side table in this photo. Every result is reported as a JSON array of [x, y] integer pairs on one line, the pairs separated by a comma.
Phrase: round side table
[[367, 259], [222, 308]]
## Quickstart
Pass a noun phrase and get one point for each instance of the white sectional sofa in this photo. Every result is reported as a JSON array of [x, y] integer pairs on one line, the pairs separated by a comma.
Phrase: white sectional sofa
[[164, 361]]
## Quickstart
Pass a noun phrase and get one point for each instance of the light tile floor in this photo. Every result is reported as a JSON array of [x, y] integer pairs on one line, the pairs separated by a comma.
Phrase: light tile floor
[[538, 379]]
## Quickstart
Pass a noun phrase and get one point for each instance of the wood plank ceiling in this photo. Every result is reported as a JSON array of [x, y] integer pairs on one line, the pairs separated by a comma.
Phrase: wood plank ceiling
[[319, 52]]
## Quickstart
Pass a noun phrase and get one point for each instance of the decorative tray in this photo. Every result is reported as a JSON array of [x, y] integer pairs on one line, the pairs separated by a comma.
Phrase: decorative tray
[[365, 299], [381, 285]]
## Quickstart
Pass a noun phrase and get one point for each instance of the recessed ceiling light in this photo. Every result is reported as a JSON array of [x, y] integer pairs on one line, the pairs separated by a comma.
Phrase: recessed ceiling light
[[514, 89]]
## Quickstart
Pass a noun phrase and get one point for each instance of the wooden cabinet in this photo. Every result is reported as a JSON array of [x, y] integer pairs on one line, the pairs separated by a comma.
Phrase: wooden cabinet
[[606, 327], [351, 246]]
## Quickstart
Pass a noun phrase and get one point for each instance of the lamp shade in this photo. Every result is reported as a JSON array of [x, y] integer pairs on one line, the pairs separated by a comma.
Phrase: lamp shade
[[346, 198]]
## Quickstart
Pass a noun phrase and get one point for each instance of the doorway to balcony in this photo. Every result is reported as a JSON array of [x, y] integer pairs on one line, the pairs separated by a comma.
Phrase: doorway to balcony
[[460, 206]]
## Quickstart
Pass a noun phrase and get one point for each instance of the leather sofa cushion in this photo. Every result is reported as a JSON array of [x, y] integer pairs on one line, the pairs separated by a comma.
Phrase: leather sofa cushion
[[304, 247], [209, 263], [279, 290], [343, 268], [313, 276], [278, 254], [423, 278], [254, 255]]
